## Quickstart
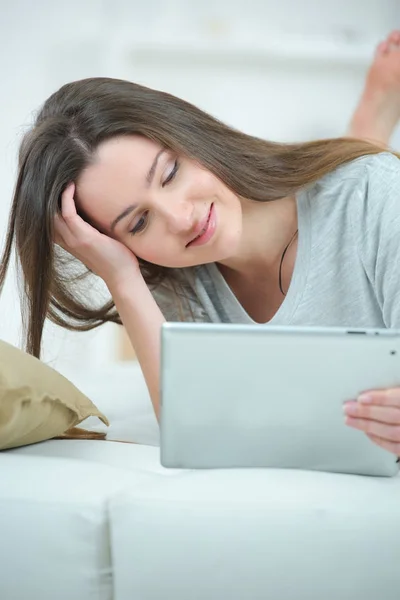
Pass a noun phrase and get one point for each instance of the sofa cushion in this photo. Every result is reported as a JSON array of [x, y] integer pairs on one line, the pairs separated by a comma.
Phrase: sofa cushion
[[54, 523], [258, 534], [36, 402]]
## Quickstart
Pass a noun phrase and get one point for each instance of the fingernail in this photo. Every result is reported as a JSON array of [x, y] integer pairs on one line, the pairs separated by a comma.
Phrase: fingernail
[[365, 398]]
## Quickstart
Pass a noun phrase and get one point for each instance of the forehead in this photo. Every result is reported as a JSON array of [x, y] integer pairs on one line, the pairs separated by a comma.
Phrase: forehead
[[129, 148], [115, 177]]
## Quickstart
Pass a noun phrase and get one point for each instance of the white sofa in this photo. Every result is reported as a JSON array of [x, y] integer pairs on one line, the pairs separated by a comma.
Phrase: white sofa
[[102, 520]]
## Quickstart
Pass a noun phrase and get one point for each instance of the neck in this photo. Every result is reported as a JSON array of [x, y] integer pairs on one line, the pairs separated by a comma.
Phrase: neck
[[267, 229]]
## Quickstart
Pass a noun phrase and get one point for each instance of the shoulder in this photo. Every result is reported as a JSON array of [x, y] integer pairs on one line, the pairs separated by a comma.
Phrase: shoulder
[[381, 169], [374, 206], [365, 187], [386, 161], [383, 161], [376, 186], [384, 167]]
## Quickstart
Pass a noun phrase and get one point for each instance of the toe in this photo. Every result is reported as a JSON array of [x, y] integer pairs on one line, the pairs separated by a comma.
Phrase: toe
[[394, 38], [383, 48]]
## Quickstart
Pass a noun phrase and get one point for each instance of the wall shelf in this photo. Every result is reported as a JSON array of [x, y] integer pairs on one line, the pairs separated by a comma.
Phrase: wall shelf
[[335, 52]]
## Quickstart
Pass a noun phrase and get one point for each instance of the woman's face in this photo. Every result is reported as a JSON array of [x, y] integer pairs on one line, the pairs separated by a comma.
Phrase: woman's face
[[167, 209]]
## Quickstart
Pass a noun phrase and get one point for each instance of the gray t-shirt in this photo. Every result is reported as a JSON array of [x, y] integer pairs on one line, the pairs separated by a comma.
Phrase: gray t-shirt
[[347, 269]]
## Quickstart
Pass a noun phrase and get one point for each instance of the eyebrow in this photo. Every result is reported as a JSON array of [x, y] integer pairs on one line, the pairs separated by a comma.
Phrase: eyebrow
[[150, 174], [149, 179]]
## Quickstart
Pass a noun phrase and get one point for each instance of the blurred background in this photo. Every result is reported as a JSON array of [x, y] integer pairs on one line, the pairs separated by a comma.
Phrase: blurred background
[[286, 71]]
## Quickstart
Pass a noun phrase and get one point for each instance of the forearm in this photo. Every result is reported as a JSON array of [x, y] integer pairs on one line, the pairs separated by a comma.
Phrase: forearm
[[142, 319]]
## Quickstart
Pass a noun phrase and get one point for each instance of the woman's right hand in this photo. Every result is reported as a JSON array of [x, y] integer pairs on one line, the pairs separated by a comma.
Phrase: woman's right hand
[[104, 256]]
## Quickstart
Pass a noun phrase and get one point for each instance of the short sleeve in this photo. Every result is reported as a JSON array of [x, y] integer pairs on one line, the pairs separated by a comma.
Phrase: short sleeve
[[376, 223]]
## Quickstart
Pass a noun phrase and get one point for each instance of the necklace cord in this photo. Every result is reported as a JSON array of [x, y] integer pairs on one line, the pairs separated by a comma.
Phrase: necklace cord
[[282, 257]]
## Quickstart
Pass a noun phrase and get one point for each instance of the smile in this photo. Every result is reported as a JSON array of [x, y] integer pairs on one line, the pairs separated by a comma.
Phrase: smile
[[207, 230]]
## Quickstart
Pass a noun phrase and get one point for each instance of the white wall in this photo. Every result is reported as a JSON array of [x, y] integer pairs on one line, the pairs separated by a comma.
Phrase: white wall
[[285, 71]]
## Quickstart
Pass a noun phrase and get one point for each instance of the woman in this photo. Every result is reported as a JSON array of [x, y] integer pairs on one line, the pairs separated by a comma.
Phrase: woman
[[183, 217]]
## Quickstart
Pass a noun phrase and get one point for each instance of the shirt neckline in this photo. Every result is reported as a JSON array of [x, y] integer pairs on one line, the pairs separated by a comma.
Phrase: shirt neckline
[[287, 309]]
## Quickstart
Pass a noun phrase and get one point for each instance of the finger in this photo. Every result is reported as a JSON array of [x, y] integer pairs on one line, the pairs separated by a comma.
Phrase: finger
[[389, 397], [386, 444], [74, 228], [383, 414], [64, 235], [60, 229], [68, 208], [384, 431]]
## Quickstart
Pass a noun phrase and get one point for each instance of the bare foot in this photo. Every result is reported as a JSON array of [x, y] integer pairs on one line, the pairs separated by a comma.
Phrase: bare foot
[[378, 110]]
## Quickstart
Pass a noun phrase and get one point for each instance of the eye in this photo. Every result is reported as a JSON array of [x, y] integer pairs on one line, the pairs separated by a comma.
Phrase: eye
[[171, 174], [140, 225]]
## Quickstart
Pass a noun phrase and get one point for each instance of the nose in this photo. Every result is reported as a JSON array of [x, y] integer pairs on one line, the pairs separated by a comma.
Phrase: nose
[[178, 214]]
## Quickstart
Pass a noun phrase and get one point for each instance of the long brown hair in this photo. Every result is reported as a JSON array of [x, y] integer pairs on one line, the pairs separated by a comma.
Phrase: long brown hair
[[62, 142]]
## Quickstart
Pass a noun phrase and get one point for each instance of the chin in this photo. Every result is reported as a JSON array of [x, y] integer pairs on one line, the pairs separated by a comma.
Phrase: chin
[[229, 247]]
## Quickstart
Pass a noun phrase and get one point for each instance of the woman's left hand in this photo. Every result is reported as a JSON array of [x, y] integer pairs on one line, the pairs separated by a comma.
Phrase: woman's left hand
[[377, 413]]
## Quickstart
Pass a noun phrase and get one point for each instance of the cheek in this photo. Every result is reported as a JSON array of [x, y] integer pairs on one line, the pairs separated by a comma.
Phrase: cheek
[[199, 184], [159, 251], [149, 248], [210, 186], [153, 256]]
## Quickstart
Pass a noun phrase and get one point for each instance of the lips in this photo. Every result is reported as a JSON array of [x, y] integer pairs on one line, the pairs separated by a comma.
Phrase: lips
[[201, 227], [204, 230]]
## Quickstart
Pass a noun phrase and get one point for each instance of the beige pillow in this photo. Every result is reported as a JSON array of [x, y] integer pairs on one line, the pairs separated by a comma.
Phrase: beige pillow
[[36, 402]]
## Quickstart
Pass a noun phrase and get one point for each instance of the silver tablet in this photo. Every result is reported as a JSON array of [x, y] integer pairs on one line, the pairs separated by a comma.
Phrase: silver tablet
[[263, 396]]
